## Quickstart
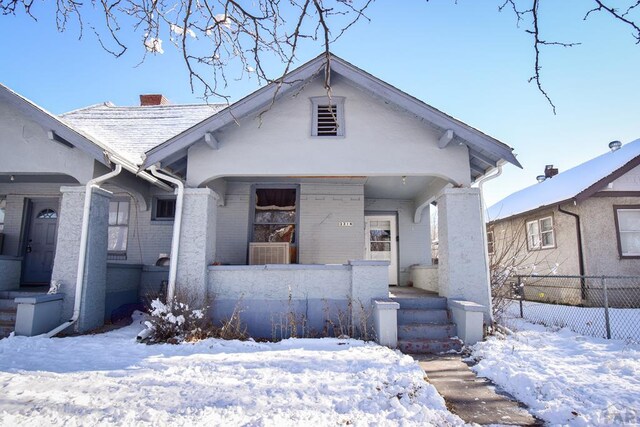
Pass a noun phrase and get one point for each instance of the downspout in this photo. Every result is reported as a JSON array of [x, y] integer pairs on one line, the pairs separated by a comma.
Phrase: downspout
[[83, 248], [483, 214], [580, 253], [177, 225]]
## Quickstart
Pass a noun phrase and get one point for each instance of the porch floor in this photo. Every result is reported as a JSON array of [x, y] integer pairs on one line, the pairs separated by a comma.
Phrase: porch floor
[[400, 292]]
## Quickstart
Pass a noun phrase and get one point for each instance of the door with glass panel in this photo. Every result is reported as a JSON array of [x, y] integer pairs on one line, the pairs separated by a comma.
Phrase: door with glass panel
[[381, 242]]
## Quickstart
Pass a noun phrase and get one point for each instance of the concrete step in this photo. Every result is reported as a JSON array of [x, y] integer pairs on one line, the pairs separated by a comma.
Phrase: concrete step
[[433, 331], [7, 304], [422, 316], [426, 346], [28, 292], [8, 315], [424, 303]]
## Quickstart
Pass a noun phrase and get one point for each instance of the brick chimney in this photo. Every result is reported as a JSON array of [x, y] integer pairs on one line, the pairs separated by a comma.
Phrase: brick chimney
[[550, 171], [147, 100]]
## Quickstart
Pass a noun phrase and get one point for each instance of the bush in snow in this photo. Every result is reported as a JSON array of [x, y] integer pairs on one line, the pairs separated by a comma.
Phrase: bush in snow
[[177, 322]]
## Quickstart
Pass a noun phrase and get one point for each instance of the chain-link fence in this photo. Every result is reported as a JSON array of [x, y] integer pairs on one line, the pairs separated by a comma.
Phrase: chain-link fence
[[603, 306]]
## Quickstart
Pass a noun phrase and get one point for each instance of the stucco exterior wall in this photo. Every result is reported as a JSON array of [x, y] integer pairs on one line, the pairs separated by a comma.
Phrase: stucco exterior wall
[[265, 295], [26, 148], [379, 140], [413, 238], [600, 237], [510, 241]]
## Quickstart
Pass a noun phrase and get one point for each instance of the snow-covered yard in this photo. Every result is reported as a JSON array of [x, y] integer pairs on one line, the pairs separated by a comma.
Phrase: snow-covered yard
[[111, 379], [565, 378]]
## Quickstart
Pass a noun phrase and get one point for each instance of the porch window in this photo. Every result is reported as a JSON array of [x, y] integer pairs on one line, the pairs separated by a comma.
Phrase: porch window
[[118, 227], [275, 216], [3, 207], [328, 116], [628, 230], [540, 234], [164, 209]]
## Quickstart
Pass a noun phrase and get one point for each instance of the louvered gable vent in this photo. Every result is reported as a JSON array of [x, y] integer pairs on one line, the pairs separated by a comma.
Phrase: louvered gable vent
[[327, 120]]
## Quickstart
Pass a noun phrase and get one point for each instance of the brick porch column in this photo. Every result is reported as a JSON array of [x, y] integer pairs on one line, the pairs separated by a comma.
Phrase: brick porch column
[[65, 267], [463, 271], [197, 243]]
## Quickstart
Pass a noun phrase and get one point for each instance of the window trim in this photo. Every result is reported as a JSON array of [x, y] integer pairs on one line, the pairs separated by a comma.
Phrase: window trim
[[491, 243], [252, 214], [538, 221], [338, 101], [616, 208], [154, 209], [119, 255], [3, 198]]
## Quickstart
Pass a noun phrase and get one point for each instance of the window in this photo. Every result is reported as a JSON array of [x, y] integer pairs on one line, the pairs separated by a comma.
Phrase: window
[[275, 215], [164, 209], [328, 116], [47, 214], [490, 245], [540, 234], [627, 220], [3, 208], [118, 226]]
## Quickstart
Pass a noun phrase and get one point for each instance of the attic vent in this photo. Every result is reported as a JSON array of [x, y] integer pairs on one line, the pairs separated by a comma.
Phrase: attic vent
[[328, 116], [327, 120]]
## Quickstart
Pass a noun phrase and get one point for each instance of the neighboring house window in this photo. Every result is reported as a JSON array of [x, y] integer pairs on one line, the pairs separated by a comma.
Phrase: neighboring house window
[[628, 230], [490, 244], [540, 234], [3, 208], [328, 116], [118, 227], [164, 209], [275, 215]]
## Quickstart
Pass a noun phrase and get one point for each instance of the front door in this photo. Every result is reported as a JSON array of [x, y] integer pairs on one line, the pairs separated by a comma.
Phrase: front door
[[40, 241], [381, 242]]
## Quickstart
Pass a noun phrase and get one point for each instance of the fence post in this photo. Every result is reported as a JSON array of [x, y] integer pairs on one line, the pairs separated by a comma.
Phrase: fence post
[[607, 324], [521, 294]]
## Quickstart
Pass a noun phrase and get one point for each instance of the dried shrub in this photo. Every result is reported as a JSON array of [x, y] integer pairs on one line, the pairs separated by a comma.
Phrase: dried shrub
[[177, 322]]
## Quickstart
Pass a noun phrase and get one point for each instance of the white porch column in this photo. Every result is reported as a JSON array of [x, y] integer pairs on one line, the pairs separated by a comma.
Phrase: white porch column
[[463, 271], [65, 267], [197, 243]]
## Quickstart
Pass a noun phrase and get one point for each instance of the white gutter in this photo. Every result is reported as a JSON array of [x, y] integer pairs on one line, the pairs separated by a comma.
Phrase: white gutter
[[177, 225], [134, 170], [83, 248]]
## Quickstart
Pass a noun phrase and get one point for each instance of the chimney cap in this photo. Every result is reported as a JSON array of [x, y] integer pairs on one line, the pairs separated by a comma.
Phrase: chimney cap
[[153, 99], [615, 145]]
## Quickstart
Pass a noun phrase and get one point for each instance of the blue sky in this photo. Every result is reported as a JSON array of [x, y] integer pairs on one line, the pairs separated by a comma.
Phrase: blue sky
[[465, 59]]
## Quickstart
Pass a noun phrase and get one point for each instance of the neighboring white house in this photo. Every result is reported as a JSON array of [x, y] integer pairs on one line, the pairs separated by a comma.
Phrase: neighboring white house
[[583, 221], [326, 197]]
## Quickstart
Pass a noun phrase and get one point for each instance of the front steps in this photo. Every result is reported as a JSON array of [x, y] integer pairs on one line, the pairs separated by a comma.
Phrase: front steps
[[8, 307], [425, 327]]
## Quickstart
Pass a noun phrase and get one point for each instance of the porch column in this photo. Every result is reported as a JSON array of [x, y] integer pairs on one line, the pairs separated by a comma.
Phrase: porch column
[[197, 243], [463, 272], [65, 267]]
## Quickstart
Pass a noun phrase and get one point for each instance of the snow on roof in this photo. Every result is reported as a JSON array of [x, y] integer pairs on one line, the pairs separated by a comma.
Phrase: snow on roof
[[131, 131], [565, 185]]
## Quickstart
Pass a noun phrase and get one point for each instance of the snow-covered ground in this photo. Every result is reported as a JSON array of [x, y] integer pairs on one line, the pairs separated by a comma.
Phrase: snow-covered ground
[[624, 322], [110, 379], [565, 378]]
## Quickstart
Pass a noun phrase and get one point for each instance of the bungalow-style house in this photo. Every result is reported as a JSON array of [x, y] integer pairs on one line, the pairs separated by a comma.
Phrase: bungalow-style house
[[288, 196], [581, 222]]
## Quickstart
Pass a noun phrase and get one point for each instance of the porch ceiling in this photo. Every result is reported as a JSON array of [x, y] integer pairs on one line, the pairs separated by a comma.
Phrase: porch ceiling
[[22, 178]]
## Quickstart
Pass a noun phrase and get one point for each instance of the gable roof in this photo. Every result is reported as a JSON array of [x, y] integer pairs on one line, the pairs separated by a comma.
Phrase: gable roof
[[133, 130], [484, 151], [49, 121], [576, 184]]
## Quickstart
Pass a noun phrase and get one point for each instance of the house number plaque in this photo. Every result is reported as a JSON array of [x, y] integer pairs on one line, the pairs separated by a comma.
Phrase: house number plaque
[[345, 224]]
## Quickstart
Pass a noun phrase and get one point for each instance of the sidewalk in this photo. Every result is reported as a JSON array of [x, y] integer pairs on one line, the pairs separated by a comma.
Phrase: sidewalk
[[471, 398]]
